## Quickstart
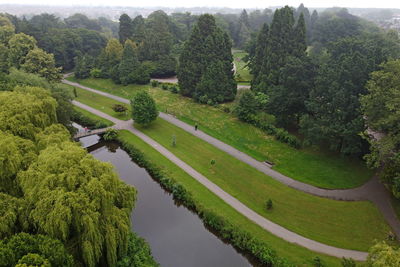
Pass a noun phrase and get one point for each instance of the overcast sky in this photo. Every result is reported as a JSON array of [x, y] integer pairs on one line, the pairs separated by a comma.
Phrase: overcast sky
[[215, 3]]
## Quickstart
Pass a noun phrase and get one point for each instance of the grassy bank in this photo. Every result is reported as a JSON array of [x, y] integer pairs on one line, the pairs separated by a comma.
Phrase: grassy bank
[[207, 201], [310, 165], [101, 103], [336, 223]]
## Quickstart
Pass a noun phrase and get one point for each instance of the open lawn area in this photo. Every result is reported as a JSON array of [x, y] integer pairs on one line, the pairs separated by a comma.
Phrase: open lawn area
[[101, 103], [351, 225], [296, 254], [241, 69], [319, 168]]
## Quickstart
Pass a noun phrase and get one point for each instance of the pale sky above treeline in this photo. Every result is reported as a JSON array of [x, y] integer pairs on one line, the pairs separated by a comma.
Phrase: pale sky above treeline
[[214, 3]]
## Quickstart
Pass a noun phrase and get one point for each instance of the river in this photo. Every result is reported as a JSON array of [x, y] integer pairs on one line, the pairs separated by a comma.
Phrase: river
[[176, 235]]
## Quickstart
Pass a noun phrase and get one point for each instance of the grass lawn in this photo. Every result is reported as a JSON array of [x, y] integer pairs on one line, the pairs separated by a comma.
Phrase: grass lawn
[[101, 103], [296, 254], [312, 166], [93, 116], [241, 69], [337, 223], [351, 225]]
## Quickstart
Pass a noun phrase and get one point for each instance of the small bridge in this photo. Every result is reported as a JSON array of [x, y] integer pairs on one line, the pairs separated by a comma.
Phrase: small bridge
[[83, 133]]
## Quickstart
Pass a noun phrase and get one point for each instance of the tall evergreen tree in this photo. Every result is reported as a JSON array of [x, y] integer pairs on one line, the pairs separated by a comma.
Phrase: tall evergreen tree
[[207, 47], [258, 60], [138, 29], [125, 28], [129, 63], [299, 36], [280, 66]]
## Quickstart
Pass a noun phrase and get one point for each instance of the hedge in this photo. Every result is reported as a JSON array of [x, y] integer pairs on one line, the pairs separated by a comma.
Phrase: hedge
[[239, 238]]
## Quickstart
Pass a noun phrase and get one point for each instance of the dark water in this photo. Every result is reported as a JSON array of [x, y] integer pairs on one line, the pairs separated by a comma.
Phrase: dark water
[[176, 235]]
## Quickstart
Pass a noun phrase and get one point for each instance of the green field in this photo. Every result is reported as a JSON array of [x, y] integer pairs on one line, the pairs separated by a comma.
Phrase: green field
[[101, 103], [294, 253], [337, 223], [93, 116], [241, 69], [312, 166]]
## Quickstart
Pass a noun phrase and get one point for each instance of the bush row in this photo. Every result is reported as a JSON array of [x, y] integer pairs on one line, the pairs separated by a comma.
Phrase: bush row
[[236, 236], [173, 88], [84, 120], [280, 134]]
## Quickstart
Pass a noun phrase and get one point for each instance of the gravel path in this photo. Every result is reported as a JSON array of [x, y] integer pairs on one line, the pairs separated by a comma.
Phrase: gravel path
[[373, 190], [233, 202]]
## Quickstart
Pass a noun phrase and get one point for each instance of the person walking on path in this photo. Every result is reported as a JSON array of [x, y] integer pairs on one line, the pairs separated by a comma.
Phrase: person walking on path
[[195, 127]]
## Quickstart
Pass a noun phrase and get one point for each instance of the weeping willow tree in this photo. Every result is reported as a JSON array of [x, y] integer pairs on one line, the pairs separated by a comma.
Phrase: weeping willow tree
[[20, 247], [16, 154], [79, 200], [51, 186], [26, 111]]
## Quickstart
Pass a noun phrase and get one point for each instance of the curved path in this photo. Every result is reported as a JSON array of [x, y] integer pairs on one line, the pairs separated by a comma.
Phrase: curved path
[[230, 200], [373, 190]]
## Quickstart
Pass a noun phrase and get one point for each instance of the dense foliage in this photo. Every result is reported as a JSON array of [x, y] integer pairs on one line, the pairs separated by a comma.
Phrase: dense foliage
[[77, 35], [381, 108], [318, 91], [20, 51], [205, 65], [280, 65], [144, 109], [154, 38], [15, 249], [382, 255]]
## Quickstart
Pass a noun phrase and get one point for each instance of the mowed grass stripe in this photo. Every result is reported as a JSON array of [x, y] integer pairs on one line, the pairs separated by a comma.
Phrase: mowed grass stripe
[[350, 225], [209, 201], [316, 167]]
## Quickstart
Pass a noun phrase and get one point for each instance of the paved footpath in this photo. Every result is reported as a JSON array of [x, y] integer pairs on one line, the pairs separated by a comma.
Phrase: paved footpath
[[230, 200], [373, 190]]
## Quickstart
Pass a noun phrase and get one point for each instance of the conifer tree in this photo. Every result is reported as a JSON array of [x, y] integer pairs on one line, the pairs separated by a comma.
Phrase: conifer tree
[[129, 63], [207, 49], [125, 28], [261, 45]]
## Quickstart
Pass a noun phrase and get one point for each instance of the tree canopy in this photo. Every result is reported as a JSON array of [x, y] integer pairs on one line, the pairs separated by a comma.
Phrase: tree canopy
[[144, 109], [207, 51]]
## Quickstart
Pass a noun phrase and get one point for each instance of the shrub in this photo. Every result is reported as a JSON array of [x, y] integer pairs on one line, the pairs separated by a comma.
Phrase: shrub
[[164, 86], [110, 135], [83, 120], [138, 254], [173, 89], [154, 83], [119, 108], [269, 204], [318, 262], [348, 262], [173, 142], [96, 73]]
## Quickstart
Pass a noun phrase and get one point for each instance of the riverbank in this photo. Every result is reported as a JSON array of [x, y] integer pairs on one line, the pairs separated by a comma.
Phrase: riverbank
[[215, 212]]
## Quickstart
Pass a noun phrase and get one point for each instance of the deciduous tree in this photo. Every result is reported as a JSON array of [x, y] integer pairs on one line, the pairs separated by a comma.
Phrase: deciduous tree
[[144, 109]]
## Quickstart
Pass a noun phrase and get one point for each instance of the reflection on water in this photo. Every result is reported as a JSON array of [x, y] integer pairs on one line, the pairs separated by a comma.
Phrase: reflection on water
[[176, 235]]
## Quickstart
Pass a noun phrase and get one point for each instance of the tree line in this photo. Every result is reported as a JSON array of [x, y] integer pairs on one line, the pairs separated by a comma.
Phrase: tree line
[[59, 205]]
